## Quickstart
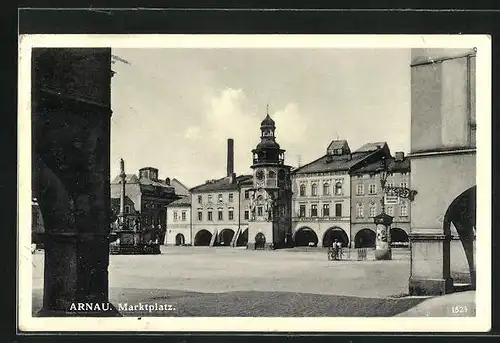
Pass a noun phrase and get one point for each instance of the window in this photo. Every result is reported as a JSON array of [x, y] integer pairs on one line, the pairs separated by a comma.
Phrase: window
[[231, 197], [359, 210], [372, 188], [360, 189], [302, 190], [231, 214], [175, 215], [200, 199], [183, 215], [210, 198], [127, 209], [219, 214], [210, 216], [404, 210], [272, 174], [339, 151], [373, 210], [326, 189], [302, 210], [338, 210], [403, 184], [259, 211], [247, 194], [247, 214], [314, 189], [314, 210], [219, 198], [326, 210], [338, 188], [200, 216], [389, 210], [389, 184]]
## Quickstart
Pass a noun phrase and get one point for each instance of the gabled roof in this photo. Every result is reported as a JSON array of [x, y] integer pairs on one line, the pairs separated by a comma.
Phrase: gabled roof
[[129, 178], [184, 201], [393, 166], [338, 144], [222, 184], [143, 181], [180, 187], [332, 163], [370, 147]]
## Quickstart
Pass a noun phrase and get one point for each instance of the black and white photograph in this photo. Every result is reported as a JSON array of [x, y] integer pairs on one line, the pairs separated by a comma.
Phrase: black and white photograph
[[288, 183]]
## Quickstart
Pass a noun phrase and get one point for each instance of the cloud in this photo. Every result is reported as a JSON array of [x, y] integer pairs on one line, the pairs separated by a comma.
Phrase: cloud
[[229, 114], [192, 132]]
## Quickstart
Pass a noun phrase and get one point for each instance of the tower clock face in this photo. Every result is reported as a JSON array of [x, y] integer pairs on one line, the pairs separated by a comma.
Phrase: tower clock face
[[259, 175]]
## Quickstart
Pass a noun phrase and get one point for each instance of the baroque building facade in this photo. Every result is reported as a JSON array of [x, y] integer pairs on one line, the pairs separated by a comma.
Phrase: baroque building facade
[[366, 197]]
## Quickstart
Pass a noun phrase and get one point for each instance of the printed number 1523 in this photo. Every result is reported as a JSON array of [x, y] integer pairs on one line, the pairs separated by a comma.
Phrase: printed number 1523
[[459, 309]]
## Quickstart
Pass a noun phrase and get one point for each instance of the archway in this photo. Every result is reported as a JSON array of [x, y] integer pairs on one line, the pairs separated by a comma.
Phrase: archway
[[399, 237], [260, 241], [179, 239], [225, 237], [365, 238], [335, 233], [304, 237], [202, 238], [462, 213], [242, 239]]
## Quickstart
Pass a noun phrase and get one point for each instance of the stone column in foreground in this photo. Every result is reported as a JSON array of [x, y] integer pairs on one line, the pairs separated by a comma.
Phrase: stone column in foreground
[[71, 160]]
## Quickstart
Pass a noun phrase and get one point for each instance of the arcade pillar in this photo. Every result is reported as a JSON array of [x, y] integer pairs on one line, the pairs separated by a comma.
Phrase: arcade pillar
[[71, 141]]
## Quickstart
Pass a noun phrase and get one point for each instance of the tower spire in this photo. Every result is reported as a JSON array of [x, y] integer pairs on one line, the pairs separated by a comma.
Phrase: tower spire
[[267, 109]]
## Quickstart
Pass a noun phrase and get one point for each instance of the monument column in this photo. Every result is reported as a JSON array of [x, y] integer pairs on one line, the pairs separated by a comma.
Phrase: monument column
[[71, 141]]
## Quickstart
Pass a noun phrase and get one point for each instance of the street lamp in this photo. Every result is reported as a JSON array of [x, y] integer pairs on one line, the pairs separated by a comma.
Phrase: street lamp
[[383, 221]]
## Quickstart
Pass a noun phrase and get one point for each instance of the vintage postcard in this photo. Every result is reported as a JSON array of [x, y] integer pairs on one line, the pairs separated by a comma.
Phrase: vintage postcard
[[285, 182]]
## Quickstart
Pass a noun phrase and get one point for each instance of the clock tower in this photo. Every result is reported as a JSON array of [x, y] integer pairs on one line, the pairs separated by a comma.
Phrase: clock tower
[[270, 222]]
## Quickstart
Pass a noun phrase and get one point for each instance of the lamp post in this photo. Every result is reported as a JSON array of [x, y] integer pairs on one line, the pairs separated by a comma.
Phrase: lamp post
[[383, 221]]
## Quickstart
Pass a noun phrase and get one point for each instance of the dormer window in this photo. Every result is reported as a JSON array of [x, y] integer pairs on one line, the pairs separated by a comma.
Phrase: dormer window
[[339, 151]]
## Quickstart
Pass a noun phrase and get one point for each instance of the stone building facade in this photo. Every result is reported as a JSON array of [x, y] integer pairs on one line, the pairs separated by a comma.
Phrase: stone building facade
[[216, 207], [322, 194], [179, 222], [148, 197], [366, 196], [443, 167]]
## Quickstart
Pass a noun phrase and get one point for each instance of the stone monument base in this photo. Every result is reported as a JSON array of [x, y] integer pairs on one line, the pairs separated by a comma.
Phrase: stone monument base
[[383, 254], [424, 287]]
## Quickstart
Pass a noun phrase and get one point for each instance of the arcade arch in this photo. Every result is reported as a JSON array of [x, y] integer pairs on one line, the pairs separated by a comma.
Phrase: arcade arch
[[225, 237], [399, 237], [462, 213], [242, 239], [365, 238], [202, 238], [179, 239], [335, 233], [305, 236]]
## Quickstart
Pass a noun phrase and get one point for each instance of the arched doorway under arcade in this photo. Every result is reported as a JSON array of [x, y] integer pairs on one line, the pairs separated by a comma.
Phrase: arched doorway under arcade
[[202, 238], [365, 238], [304, 237], [225, 237], [335, 233]]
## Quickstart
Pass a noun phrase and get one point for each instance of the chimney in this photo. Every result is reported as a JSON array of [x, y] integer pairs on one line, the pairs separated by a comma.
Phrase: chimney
[[167, 181], [232, 178], [230, 157], [399, 156]]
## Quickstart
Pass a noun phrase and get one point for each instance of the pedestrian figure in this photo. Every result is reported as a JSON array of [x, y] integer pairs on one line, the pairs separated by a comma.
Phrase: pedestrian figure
[[339, 249], [335, 250]]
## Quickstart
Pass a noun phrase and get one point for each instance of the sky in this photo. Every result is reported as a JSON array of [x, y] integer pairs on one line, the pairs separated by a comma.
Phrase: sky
[[174, 109]]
